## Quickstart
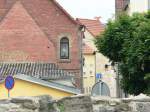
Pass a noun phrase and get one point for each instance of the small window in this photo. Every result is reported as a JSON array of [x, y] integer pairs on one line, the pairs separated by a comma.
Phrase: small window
[[90, 89], [83, 61], [106, 67], [64, 48], [91, 65], [91, 72], [86, 89], [83, 90]]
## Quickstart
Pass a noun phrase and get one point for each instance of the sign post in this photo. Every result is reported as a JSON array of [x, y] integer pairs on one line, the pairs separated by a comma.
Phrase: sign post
[[98, 77], [9, 84]]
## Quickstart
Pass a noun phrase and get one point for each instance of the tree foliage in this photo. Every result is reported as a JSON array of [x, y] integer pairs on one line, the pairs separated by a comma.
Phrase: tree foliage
[[126, 40]]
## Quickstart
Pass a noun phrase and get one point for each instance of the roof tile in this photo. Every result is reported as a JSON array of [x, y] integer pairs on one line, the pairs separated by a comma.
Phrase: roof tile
[[94, 26], [47, 71], [87, 49]]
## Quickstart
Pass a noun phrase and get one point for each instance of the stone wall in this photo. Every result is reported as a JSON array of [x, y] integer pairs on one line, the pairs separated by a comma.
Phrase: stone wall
[[26, 104], [76, 104]]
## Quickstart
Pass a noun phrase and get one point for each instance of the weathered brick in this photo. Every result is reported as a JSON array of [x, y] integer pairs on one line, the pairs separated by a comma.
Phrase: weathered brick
[[33, 28]]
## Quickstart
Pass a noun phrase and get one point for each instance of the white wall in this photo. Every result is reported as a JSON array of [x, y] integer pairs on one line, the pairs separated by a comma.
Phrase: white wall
[[138, 6], [88, 73], [108, 76], [89, 39]]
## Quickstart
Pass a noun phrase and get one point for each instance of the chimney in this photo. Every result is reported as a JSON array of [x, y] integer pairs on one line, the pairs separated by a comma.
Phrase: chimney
[[97, 18], [120, 5]]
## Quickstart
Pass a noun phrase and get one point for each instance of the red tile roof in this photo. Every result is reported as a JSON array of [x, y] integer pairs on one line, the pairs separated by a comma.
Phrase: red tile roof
[[94, 26], [87, 49]]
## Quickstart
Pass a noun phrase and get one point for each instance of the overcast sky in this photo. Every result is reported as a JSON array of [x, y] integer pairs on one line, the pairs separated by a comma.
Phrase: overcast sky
[[89, 8]]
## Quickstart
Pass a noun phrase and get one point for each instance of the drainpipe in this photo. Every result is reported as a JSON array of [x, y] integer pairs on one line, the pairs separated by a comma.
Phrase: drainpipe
[[118, 80], [95, 65], [81, 30]]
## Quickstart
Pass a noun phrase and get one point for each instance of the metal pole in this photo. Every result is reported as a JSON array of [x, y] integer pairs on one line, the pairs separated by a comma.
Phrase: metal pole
[[100, 86], [117, 80], [95, 66], [8, 93]]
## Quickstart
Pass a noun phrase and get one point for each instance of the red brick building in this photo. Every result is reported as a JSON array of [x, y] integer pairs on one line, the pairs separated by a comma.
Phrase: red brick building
[[40, 31], [121, 5]]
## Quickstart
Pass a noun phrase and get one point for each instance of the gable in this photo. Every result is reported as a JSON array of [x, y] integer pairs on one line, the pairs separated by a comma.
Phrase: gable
[[38, 5], [94, 26], [65, 12], [49, 15], [20, 33]]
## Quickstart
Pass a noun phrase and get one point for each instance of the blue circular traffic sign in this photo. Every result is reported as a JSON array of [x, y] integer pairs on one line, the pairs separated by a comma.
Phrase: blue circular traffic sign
[[9, 82]]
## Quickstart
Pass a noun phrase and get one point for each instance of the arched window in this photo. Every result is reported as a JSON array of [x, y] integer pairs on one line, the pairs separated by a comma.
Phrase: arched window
[[64, 48]]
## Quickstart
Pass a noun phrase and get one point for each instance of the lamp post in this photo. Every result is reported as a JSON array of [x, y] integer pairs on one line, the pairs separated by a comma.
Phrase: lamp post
[[117, 78]]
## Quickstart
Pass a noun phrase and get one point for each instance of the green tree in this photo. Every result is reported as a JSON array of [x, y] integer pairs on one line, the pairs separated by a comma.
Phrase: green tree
[[126, 40]]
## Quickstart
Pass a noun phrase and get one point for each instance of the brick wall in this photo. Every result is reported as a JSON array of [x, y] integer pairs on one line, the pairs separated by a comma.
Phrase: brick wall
[[120, 5], [33, 28]]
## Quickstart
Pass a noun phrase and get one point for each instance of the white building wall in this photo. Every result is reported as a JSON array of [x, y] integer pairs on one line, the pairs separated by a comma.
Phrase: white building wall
[[89, 39], [88, 73], [108, 76], [138, 6]]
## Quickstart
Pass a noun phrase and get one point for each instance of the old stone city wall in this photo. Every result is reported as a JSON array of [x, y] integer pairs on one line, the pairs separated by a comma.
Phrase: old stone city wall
[[75, 104]]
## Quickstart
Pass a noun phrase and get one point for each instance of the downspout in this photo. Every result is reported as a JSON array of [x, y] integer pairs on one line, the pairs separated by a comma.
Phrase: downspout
[[95, 66], [81, 30]]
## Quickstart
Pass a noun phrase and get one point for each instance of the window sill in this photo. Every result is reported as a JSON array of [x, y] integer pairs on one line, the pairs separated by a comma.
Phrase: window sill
[[85, 77], [91, 75], [64, 61]]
